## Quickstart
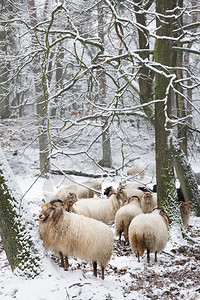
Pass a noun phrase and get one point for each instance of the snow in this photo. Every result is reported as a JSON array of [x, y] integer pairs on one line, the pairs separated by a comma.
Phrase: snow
[[174, 276]]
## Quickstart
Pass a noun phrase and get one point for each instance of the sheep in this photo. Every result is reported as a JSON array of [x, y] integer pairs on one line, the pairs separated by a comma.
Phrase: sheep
[[103, 210], [74, 235], [79, 190], [125, 215], [131, 191], [148, 202], [109, 191], [130, 185], [185, 212], [134, 192], [137, 171], [149, 232]]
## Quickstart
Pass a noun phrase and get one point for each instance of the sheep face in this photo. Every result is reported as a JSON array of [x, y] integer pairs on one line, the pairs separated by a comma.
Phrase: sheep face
[[147, 198], [109, 191], [185, 212], [50, 210], [121, 195], [185, 207]]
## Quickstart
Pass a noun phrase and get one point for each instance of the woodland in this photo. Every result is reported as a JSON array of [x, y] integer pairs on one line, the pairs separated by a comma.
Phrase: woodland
[[92, 86]]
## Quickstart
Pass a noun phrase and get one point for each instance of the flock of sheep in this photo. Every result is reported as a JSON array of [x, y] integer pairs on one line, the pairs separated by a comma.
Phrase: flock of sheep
[[75, 222]]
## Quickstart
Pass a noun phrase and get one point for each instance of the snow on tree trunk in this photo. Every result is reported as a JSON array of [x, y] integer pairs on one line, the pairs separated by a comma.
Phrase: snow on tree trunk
[[19, 234], [187, 179]]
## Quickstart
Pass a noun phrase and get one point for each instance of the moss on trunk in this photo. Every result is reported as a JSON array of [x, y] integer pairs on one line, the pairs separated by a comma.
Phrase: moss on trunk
[[19, 235]]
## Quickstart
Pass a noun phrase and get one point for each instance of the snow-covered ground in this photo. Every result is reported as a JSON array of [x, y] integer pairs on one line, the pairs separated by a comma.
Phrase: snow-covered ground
[[175, 276]]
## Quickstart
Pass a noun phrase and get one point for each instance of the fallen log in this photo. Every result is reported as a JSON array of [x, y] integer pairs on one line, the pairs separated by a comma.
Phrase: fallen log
[[79, 173]]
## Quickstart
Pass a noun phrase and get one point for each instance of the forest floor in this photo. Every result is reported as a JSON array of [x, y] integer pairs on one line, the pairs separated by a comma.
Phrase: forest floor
[[175, 276]]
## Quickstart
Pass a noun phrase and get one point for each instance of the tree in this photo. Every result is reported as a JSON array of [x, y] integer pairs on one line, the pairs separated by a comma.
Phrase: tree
[[101, 76], [4, 66], [18, 232], [41, 95], [164, 159]]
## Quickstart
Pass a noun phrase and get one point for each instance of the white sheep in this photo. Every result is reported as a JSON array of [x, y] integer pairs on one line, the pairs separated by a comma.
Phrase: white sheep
[[100, 209], [68, 234], [130, 185], [134, 192], [89, 189], [131, 191], [149, 232], [137, 171], [148, 202], [125, 215], [185, 212]]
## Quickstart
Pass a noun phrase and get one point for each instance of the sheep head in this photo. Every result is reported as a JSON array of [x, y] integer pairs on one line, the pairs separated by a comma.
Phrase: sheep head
[[109, 191], [56, 201], [147, 198], [165, 216], [50, 210], [121, 195], [69, 201], [185, 207]]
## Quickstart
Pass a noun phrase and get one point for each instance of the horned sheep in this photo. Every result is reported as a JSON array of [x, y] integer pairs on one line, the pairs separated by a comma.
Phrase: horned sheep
[[125, 215], [101, 209], [185, 209], [149, 232], [148, 202], [72, 235]]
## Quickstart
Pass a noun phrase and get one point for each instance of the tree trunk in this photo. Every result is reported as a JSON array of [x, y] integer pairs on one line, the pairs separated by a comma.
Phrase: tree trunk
[[4, 70], [164, 160], [106, 147], [41, 101], [18, 232], [180, 102], [145, 80], [187, 179]]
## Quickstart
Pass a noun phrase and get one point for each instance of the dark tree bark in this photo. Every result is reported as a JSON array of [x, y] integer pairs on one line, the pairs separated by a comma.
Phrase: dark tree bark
[[164, 157]]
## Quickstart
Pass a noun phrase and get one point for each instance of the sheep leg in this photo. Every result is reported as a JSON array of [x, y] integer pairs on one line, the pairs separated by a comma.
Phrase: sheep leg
[[148, 256], [62, 259], [126, 236], [94, 268], [66, 263], [102, 272], [138, 257], [120, 236], [156, 256]]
